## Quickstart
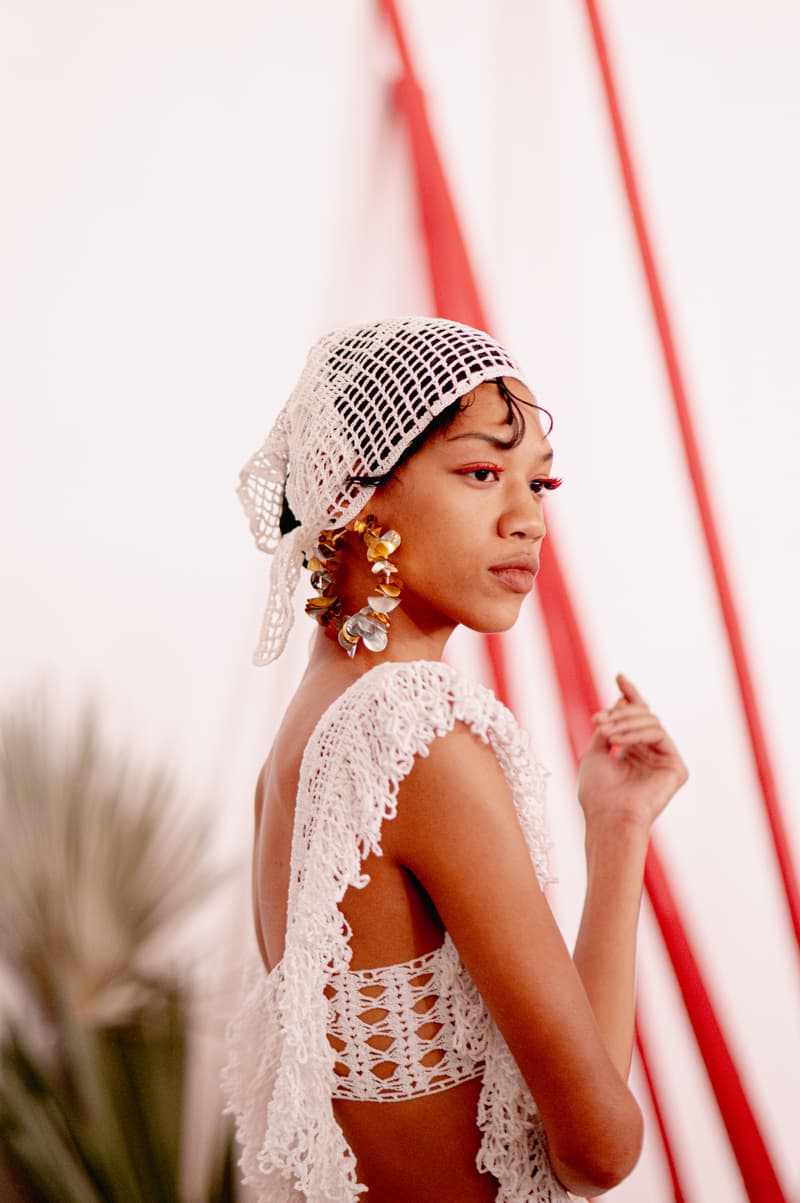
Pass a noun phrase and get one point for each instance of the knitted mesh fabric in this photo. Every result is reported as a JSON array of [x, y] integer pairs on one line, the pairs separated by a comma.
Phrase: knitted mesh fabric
[[365, 393]]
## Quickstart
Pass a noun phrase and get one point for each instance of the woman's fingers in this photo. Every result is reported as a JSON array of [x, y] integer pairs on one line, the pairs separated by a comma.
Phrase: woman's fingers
[[650, 734], [629, 729], [629, 690], [621, 711], [629, 722], [631, 699]]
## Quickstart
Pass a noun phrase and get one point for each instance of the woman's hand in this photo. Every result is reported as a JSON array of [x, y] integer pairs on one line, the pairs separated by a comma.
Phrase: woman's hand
[[631, 768]]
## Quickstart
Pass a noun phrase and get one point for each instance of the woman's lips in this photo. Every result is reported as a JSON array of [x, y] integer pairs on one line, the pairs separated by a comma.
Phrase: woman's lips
[[518, 580]]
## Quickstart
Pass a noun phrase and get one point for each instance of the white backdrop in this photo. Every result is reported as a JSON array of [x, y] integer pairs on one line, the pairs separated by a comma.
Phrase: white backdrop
[[192, 192]]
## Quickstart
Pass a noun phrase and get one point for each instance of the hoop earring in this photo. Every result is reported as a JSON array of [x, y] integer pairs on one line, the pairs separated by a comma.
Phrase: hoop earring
[[370, 625]]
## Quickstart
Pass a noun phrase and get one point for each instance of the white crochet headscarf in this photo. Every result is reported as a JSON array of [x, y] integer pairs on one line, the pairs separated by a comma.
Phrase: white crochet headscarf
[[364, 395]]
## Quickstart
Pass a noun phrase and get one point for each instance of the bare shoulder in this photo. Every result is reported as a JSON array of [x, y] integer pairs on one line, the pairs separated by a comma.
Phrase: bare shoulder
[[457, 829], [459, 781]]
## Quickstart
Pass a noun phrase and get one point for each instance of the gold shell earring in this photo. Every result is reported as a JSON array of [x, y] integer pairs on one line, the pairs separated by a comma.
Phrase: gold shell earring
[[370, 625]]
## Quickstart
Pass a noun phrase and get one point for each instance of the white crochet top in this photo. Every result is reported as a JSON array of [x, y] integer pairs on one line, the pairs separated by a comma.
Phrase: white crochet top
[[313, 1029]]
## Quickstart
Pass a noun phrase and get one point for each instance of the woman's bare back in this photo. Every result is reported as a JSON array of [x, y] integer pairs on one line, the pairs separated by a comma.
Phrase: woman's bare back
[[422, 1148]]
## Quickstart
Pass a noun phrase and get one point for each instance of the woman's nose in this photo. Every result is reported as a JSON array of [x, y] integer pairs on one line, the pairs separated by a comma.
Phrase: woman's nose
[[523, 518]]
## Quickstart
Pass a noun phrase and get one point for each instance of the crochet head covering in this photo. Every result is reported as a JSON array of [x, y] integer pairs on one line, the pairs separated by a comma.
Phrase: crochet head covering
[[364, 395]]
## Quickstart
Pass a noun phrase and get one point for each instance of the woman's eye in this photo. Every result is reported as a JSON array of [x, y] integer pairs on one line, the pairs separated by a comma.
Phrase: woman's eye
[[545, 482], [483, 473]]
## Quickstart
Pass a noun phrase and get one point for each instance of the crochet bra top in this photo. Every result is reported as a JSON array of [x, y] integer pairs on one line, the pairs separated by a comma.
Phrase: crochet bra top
[[314, 1030], [395, 1029]]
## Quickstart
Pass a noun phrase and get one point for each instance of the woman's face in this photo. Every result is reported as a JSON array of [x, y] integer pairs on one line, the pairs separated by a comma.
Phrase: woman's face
[[469, 509]]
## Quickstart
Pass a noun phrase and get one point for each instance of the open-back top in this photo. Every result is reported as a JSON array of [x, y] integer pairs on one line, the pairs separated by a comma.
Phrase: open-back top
[[306, 1032]]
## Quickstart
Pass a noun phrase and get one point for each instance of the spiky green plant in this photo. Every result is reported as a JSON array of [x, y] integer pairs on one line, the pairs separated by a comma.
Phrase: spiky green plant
[[100, 865]]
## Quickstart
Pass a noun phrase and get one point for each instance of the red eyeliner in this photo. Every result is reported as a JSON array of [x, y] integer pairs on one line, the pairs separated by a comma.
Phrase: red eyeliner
[[545, 482]]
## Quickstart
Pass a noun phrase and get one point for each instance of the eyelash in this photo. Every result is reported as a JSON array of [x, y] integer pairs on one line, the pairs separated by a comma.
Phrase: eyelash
[[541, 482]]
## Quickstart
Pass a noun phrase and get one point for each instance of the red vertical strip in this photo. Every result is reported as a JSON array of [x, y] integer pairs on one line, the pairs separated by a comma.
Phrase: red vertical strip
[[456, 297], [758, 1173], [727, 604], [672, 1168]]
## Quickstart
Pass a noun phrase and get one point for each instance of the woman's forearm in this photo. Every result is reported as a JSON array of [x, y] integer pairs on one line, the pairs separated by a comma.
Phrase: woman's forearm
[[605, 950]]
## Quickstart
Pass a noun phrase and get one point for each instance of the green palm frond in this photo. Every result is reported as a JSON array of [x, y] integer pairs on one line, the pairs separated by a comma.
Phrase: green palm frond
[[106, 1128], [98, 864], [101, 866]]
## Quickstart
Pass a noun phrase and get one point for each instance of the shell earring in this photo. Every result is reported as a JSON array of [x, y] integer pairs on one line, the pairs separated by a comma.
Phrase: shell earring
[[370, 625]]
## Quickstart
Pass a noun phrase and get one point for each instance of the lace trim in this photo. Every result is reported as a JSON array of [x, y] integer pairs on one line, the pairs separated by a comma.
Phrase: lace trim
[[281, 1076]]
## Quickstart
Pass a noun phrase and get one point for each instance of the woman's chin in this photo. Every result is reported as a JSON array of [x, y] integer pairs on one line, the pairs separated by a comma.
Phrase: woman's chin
[[495, 623]]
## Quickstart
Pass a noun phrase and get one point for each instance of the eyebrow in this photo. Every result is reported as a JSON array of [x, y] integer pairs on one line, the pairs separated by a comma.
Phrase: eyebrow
[[492, 440]]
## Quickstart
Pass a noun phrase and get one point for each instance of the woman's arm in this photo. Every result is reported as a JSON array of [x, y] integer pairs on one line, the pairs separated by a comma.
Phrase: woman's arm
[[605, 950], [622, 793], [568, 1023]]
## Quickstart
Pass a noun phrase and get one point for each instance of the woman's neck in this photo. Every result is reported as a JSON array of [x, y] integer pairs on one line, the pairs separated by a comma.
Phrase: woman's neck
[[407, 641]]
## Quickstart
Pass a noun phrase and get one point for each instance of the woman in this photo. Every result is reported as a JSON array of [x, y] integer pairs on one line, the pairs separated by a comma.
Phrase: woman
[[416, 1029]]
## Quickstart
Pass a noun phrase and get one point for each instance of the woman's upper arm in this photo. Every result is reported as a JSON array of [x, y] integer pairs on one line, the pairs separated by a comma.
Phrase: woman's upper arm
[[457, 831]]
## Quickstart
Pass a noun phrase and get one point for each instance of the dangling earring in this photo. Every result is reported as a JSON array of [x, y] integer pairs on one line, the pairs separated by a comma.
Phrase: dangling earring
[[370, 624]]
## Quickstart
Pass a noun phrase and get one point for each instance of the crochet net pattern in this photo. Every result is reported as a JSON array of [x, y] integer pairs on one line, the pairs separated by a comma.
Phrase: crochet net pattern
[[282, 1071], [364, 395], [398, 1030]]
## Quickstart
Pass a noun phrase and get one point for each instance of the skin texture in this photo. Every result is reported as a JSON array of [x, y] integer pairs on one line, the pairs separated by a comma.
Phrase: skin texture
[[465, 506]]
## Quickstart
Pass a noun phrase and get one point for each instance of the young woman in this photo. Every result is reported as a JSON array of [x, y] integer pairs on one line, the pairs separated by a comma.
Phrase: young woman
[[415, 1029]]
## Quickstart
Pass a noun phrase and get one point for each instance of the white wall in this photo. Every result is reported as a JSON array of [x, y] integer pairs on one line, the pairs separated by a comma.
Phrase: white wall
[[192, 192]]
